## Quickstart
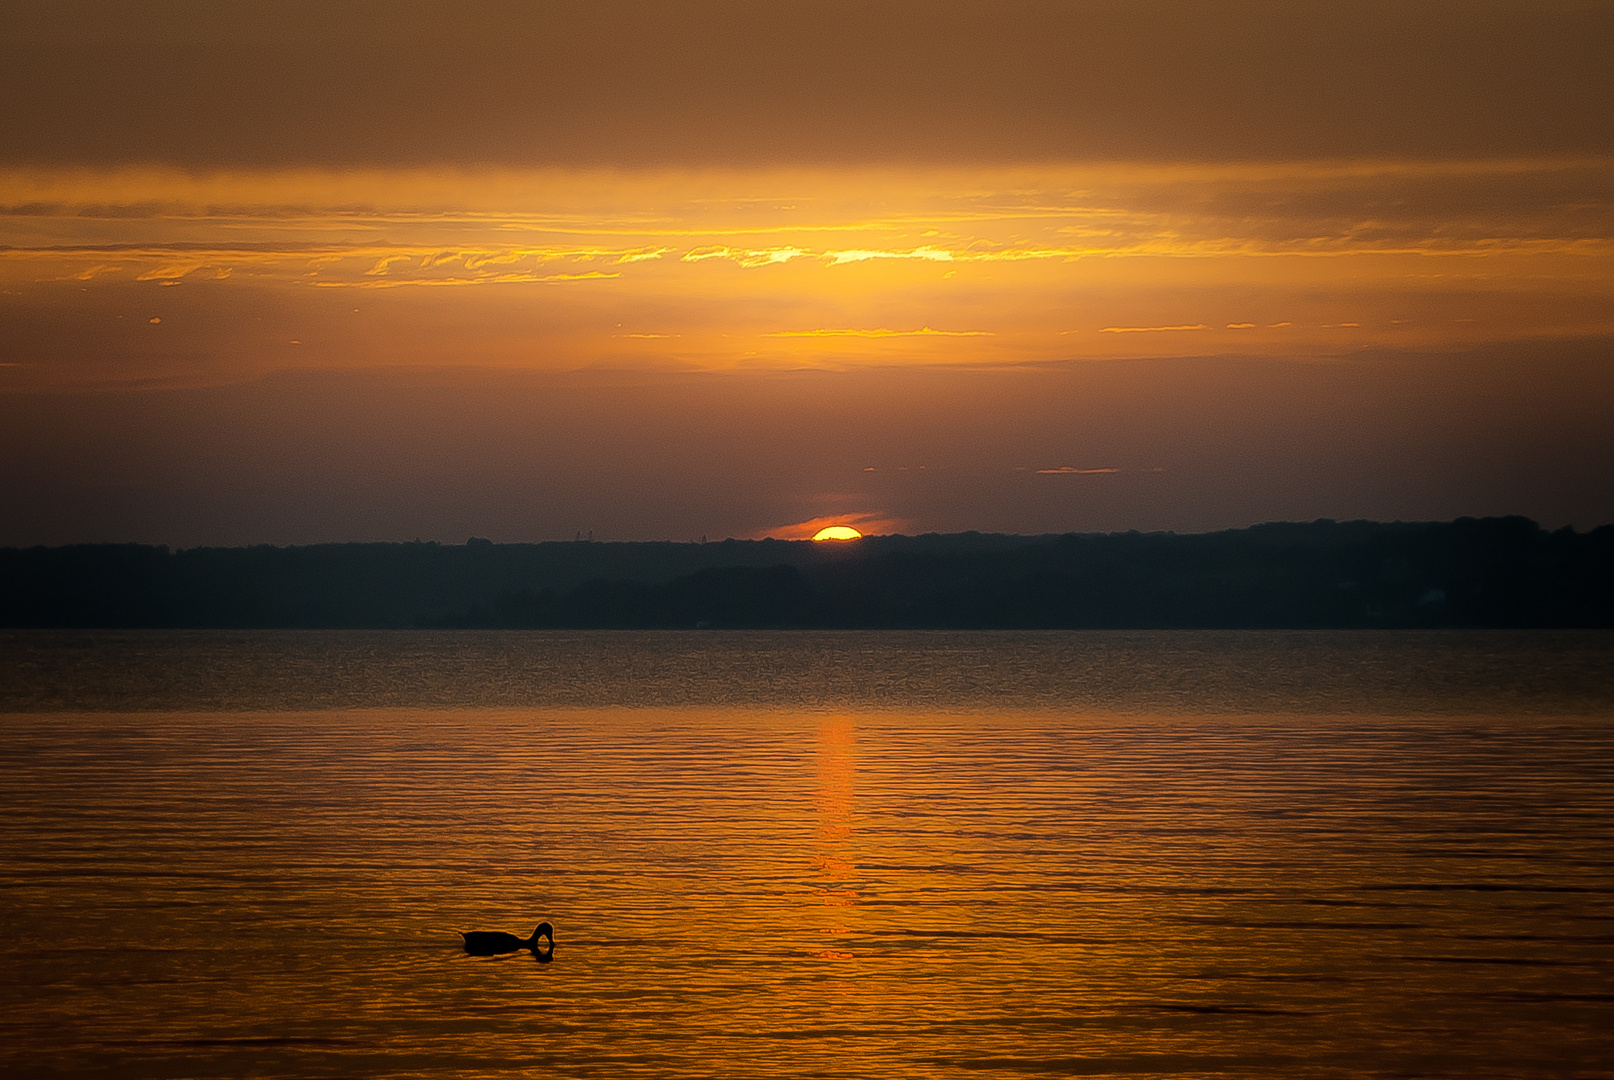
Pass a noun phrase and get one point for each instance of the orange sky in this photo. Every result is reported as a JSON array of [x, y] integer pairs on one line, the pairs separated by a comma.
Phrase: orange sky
[[1071, 255]]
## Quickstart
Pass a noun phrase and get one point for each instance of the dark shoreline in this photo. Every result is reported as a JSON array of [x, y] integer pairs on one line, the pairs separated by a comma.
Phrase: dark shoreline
[[1555, 674], [1479, 573]]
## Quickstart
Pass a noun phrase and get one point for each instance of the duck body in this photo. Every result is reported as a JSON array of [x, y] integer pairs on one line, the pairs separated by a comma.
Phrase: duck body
[[493, 942]]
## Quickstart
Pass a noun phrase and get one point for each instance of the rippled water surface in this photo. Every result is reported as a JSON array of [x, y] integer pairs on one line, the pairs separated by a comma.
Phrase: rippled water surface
[[795, 855]]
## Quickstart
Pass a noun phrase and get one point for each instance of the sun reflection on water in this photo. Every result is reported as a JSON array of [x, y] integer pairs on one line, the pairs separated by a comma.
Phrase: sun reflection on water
[[835, 754]]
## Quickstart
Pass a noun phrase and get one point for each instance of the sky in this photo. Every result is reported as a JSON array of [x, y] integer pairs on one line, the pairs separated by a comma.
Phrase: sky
[[292, 273]]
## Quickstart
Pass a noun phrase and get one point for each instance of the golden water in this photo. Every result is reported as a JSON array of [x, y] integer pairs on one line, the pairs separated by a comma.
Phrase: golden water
[[1145, 880]]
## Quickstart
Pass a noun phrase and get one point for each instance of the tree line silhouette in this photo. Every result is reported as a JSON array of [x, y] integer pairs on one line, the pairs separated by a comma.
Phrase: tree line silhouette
[[1493, 572]]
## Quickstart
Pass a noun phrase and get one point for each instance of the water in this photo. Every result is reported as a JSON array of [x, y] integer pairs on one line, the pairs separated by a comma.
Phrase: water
[[916, 855]]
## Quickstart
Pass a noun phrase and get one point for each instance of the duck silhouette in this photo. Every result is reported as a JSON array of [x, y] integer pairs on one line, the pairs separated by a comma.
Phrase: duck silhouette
[[493, 942]]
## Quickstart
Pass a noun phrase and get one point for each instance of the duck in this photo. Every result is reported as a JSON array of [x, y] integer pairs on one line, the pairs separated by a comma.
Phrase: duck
[[492, 942]]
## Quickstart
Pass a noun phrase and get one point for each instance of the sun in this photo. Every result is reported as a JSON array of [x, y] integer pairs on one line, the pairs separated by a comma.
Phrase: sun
[[838, 532]]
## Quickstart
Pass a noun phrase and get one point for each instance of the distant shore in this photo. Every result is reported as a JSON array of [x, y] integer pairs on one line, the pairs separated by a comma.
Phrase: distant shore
[[1492, 572]]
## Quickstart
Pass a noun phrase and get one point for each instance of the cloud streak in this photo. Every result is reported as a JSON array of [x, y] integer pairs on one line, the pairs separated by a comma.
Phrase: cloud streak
[[830, 268], [1069, 470], [1151, 329], [869, 523], [878, 332]]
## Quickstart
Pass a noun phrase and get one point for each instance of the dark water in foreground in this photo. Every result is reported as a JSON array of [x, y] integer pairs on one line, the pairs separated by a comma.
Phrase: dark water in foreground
[[798, 855]]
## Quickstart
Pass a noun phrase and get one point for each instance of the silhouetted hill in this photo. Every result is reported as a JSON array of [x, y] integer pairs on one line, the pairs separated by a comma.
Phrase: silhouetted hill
[[1495, 572]]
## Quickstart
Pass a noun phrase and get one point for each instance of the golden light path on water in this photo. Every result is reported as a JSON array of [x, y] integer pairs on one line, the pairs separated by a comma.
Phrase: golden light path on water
[[768, 890]]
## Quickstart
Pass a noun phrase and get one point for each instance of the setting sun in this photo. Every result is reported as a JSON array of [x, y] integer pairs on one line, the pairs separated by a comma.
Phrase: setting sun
[[838, 532]]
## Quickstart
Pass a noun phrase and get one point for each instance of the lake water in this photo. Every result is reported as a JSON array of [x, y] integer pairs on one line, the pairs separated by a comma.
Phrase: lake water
[[804, 855]]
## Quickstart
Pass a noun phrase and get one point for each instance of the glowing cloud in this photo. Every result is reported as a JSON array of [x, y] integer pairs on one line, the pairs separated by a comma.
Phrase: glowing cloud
[[866, 524], [1150, 329], [1069, 470], [830, 268], [923, 331], [930, 254]]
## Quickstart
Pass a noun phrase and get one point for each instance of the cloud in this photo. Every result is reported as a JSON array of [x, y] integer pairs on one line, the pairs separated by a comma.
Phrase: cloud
[[932, 254], [592, 275], [1150, 329], [878, 332], [747, 257], [384, 264], [1070, 470], [172, 270], [475, 261], [770, 256], [1034, 252], [868, 523], [642, 255], [483, 279]]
